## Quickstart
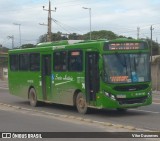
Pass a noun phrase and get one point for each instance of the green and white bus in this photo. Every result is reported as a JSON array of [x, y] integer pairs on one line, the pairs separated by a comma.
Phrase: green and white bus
[[99, 74]]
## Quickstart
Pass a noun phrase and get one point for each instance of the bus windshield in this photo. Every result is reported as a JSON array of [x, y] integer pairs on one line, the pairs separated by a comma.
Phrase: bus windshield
[[126, 68]]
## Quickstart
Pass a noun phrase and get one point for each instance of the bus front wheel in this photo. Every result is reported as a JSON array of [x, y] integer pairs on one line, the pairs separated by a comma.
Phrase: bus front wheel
[[81, 103], [33, 97], [121, 110]]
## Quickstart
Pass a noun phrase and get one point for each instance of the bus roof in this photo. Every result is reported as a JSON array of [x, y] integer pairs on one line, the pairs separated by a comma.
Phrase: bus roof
[[71, 44], [57, 43]]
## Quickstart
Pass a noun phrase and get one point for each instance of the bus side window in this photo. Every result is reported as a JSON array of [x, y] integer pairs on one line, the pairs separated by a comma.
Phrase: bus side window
[[24, 62], [60, 61], [14, 62], [75, 61], [34, 62]]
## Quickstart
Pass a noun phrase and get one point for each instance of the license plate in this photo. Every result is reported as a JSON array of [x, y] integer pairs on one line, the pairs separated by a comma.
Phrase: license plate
[[121, 96]]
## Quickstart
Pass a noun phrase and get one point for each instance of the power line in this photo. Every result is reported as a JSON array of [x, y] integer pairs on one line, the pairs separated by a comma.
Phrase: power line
[[60, 25], [49, 25], [67, 26]]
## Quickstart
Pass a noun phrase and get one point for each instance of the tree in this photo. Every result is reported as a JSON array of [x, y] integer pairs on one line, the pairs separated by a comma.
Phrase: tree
[[43, 38], [3, 49], [75, 36], [56, 36], [102, 34], [155, 46]]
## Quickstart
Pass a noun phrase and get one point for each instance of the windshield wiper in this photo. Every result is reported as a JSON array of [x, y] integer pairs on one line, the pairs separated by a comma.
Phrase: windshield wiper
[[123, 62], [135, 65]]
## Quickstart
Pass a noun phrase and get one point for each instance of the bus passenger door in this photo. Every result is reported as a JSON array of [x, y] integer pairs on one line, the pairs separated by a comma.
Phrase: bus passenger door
[[92, 75], [46, 76]]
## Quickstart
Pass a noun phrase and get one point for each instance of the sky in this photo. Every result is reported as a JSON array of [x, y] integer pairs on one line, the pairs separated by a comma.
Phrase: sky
[[123, 17]]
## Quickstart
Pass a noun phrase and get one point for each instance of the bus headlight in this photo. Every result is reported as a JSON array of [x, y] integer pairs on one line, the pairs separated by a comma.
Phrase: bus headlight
[[111, 96], [149, 93], [107, 94]]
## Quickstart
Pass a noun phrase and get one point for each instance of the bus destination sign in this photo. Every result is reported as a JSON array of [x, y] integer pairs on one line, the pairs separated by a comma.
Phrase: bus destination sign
[[124, 46]]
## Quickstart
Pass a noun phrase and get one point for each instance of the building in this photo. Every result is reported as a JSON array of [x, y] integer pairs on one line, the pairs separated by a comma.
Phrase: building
[[3, 66]]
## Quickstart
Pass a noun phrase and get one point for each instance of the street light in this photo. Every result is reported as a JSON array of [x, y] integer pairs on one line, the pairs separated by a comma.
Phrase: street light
[[12, 38], [19, 32], [90, 20]]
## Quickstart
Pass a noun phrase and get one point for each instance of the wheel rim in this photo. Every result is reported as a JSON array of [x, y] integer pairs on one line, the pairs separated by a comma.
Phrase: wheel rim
[[81, 103], [32, 98]]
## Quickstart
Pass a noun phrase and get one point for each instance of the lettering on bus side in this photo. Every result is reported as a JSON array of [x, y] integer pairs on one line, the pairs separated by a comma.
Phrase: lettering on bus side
[[83, 85], [80, 80], [68, 78], [64, 79], [30, 81]]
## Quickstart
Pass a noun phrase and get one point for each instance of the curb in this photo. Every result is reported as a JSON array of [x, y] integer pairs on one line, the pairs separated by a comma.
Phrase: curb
[[105, 124]]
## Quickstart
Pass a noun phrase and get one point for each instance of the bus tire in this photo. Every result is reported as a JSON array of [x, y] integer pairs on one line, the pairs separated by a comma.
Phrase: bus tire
[[121, 110], [33, 97], [81, 103]]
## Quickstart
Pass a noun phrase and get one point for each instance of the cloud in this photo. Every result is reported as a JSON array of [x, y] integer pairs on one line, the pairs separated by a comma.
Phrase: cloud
[[120, 16]]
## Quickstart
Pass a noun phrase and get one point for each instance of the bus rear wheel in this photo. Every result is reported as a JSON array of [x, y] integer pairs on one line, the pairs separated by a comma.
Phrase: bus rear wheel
[[33, 97], [81, 103]]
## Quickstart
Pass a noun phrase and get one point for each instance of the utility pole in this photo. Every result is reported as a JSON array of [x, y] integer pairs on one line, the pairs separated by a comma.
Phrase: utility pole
[[138, 30], [12, 38], [151, 28], [49, 33]]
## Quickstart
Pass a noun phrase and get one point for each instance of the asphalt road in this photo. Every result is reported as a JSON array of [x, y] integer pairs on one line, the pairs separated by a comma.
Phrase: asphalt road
[[21, 120], [17, 115], [146, 118]]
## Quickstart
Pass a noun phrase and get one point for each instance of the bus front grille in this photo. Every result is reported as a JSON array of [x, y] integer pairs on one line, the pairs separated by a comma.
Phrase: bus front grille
[[131, 87], [139, 100]]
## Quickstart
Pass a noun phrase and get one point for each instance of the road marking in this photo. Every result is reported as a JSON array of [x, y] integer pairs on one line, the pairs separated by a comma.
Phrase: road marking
[[4, 88], [155, 103], [145, 111]]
